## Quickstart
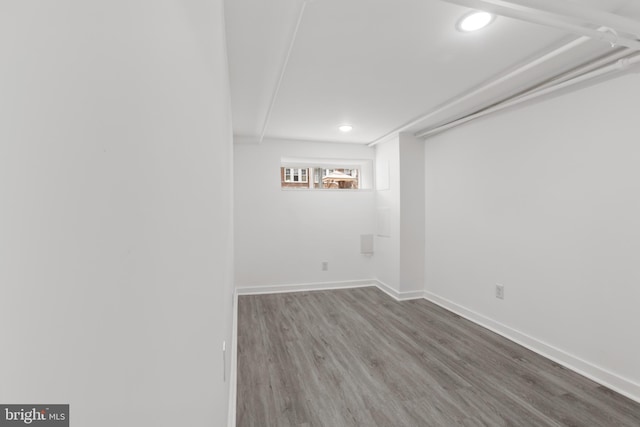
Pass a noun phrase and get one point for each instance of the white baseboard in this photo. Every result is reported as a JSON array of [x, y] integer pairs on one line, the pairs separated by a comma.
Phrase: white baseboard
[[302, 287], [323, 286], [397, 295], [600, 375], [233, 374]]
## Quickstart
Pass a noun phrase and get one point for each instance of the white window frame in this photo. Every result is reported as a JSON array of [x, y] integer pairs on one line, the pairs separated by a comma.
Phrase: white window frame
[[364, 168], [296, 172]]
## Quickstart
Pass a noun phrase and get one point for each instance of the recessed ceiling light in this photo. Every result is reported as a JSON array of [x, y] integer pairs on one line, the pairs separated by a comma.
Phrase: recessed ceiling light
[[474, 21], [345, 128]]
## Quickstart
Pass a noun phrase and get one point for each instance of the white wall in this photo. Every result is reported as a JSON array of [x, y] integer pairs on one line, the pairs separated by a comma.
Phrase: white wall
[[545, 200], [115, 227], [399, 258], [283, 236], [387, 240], [412, 225]]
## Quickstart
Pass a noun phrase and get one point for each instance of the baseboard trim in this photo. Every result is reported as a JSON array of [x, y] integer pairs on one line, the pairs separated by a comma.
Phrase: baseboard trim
[[233, 374], [397, 295], [387, 289], [595, 373], [303, 287], [324, 286]]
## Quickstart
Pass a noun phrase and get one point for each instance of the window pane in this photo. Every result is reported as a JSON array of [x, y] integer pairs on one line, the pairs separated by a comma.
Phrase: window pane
[[329, 178]]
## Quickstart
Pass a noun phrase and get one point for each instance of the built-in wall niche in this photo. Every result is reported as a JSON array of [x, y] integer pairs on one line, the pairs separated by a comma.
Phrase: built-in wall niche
[[325, 174]]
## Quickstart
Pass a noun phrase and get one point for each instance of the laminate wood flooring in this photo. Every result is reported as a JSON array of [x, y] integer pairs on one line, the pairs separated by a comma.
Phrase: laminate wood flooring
[[357, 357]]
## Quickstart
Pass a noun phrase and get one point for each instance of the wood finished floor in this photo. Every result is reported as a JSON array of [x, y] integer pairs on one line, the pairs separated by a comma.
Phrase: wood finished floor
[[356, 357]]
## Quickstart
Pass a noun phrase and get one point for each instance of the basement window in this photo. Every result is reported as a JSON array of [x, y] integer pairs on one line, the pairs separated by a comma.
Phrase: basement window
[[295, 175], [317, 174], [323, 178]]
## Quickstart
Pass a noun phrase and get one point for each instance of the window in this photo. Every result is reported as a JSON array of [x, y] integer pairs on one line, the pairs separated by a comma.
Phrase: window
[[341, 178], [325, 174], [322, 178], [295, 175]]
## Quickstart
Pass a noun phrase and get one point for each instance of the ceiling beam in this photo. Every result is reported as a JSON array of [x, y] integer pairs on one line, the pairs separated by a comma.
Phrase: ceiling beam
[[465, 97], [623, 64], [283, 70], [611, 28], [621, 24]]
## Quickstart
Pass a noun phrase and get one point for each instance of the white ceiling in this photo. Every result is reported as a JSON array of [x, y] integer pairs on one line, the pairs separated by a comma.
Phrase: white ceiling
[[375, 64]]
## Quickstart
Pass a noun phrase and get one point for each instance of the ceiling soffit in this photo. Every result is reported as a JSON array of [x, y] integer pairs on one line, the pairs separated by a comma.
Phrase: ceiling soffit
[[300, 69]]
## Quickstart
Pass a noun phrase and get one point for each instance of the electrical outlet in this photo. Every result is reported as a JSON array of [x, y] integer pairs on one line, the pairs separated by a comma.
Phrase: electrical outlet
[[499, 291], [325, 266]]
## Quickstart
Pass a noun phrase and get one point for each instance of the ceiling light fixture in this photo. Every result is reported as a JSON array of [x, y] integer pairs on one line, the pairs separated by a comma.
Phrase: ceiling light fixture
[[345, 128], [475, 21]]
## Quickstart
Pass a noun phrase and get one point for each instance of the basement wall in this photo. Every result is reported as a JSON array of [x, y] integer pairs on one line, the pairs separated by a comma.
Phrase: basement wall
[[545, 199], [282, 236], [116, 266]]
